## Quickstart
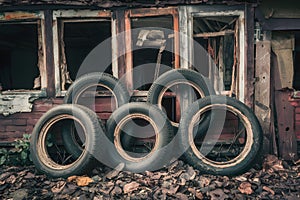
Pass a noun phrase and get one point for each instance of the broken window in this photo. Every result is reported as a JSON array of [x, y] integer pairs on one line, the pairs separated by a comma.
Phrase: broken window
[[149, 43], [153, 42], [19, 57], [284, 47], [296, 82], [77, 39], [218, 35]]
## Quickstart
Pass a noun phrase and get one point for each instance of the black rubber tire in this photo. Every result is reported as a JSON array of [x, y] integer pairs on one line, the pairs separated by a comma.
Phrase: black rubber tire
[[89, 80], [85, 162], [164, 134], [246, 158], [178, 76], [86, 80]]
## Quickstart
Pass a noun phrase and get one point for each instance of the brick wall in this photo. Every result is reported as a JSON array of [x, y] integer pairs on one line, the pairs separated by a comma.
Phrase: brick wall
[[15, 125]]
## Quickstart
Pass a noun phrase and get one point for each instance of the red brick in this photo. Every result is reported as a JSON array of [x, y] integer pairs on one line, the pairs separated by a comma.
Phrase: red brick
[[20, 122], [6, 122], [29, 129], [297, 134], [16, 128], [104, 116], [32, 121], [2, 128], [42, 107], [57, 101], [9, 136]]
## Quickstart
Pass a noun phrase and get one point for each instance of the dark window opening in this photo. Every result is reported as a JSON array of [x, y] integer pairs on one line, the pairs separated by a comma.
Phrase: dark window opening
[[80, 38], [153, 47], [18, 55], [296, 82], [217, 39]]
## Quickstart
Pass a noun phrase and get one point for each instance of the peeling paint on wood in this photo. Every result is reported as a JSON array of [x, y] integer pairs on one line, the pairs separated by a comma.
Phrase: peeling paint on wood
[[19, 15], [10, 104]]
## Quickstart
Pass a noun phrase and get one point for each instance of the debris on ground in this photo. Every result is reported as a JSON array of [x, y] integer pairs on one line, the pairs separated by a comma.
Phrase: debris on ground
[[276, 180]]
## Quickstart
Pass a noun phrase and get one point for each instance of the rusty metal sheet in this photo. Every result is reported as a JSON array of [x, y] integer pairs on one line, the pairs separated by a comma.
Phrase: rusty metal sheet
[[285, 123]]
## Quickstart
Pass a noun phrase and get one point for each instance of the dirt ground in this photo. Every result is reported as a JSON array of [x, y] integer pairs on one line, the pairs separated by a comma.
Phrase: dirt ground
[[275, 179]]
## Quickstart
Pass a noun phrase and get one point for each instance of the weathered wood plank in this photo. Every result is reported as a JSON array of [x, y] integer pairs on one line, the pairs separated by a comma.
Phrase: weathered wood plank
[[262, 90]]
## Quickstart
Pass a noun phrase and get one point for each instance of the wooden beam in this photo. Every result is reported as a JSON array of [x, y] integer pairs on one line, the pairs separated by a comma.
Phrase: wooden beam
[[214, 34], [49, 54], [263, 89]]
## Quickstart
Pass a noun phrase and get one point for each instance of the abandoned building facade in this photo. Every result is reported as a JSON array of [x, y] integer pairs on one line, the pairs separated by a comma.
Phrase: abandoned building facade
[[253, 54]]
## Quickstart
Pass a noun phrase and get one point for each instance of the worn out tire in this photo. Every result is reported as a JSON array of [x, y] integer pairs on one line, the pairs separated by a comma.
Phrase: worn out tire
[[174, 77], [155, 159], [246, 158], [85, 162], [88, 80]]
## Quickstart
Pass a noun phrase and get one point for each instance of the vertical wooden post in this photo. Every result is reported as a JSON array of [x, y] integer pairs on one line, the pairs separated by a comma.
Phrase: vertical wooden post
[[49, 54], [263, 89]]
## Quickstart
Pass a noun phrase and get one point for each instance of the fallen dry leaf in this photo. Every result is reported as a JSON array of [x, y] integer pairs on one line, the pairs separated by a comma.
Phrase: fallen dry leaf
[[58, 187], [71, 178], [272, 162], [245, 188], [266, 188], [217, 194], [196, 193], [203, 181], [173, 190], [80, 180], [83, 181], [129, 187], [12, 179], [181, 196], [117, 190], [115, 172]]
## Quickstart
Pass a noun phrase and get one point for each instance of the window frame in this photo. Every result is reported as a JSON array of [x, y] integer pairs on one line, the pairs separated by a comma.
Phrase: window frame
[[188, 13], [20, 17], [143, 13], [84, 16]]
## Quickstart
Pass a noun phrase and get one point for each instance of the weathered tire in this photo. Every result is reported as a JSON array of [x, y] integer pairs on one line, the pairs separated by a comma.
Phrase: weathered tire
[[252, 134], [127, 113], [175, 77], [82, 84], [43, 144]]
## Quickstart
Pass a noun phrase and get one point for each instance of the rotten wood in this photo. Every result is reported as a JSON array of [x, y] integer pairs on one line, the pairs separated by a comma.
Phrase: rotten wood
[[214, 34], [176, 38], [151, 12], [249, 57], [128, 53], [235, 60], [120, 28]]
